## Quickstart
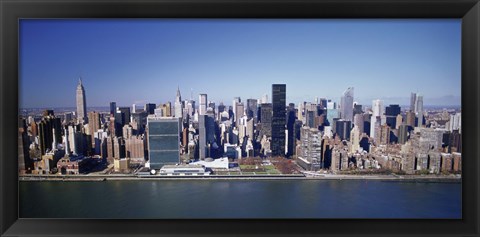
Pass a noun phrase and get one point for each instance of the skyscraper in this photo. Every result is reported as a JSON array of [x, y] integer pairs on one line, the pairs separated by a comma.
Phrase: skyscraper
[[346, 110], [150, 108], [266, 119], [93, 124], [252, 108], [419, 108], [81, 103], [163, 141], [202, 107], [113, 108], [413, 100], [391, 113], [278, 119], [178, 104]]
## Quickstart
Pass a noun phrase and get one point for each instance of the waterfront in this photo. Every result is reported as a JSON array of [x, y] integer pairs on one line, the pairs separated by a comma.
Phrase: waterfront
[[240, 199]]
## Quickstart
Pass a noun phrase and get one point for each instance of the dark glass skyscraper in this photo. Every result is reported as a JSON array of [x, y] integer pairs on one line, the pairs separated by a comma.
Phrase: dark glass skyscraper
[[278, 119], [113, 108], [391, 113]]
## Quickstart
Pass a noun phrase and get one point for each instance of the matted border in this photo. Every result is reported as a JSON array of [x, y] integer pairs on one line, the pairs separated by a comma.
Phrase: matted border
[[13, 10]]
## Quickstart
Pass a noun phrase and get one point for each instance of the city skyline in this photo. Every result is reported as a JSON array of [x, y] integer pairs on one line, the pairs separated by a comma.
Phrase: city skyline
[[315, 58]]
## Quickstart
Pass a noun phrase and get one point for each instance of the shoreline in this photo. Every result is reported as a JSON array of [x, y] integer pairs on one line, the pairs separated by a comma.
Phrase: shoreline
[[99, 178]]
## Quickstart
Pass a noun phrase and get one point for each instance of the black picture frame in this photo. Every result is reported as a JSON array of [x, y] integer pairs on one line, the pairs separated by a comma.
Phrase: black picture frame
[[13, 10]]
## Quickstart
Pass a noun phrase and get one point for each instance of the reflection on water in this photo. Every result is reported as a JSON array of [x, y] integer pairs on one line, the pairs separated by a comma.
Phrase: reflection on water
[[240, 199]]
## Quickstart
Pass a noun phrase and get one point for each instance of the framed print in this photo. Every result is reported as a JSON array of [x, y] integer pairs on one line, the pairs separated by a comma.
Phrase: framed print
[[239, 118]]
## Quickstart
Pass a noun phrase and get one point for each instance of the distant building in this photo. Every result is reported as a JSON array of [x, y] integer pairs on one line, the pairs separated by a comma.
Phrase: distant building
[[178, 104]]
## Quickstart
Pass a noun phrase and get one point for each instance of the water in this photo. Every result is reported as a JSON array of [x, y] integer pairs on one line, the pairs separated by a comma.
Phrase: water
[[240, 199]]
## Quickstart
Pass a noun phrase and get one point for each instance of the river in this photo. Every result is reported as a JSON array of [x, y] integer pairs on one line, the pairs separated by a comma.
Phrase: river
[[180, 199]]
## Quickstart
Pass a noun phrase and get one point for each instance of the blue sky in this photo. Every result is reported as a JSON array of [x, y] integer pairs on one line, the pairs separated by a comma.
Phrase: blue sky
[[138, 61]]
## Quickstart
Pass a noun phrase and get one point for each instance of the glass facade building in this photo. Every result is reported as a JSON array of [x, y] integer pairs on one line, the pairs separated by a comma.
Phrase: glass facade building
[[163, 141], [279, 117]]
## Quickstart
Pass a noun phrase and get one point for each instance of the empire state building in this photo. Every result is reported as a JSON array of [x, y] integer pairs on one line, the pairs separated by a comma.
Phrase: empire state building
[[81, 103]]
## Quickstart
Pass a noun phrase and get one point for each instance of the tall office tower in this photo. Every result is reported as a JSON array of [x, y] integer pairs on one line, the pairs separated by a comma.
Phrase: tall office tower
[[384, 134], [126, 112], [202, 107], [81, 103], [163, 141], [234, 106], [205, 137], [119, 122], [93, 124], [119, 148], [366, 123], [266, 119], [413, 102], [139, 121], [391, 113], [239, 111], [150, 108], [375, 122], [410, 121], [342, 128], [279, 97], [455, 122], [377, 108], [419, 107], [358, 121], [190, 107], [49, 133], [300, 111], [310, 118], [399, 121], [134, 108], [346, 103], [402, 133], [290, 129], [113, 108], [178, 104], [167, 109], [252, 108], [355, 138], [110, 149]]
